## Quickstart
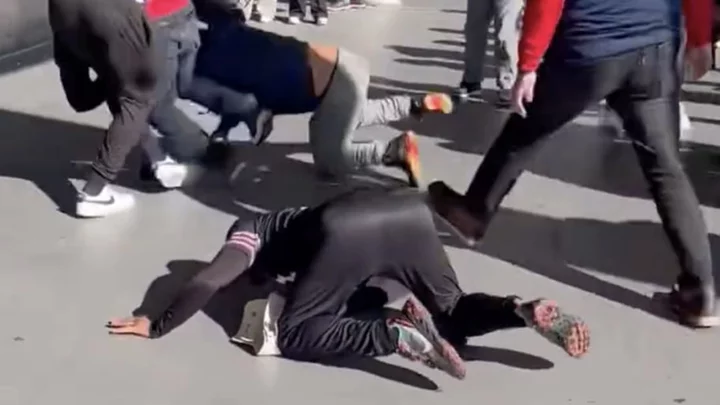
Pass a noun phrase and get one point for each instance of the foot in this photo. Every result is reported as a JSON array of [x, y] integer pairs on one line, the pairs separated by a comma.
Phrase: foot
[[218, 152], [685, 124], [262, 127], [139, 326], [419, 340], [321, 20], [566, 331], [264, 19], [695, 307], [451, 209], [431, 103], [294, 20], [170, 174], [402, 152], [106, 203], [466, 90], [504, 99], [339, 5]]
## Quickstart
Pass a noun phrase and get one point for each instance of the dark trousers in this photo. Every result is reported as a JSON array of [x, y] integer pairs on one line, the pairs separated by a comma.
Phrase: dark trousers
[[176, 41], [318, 8], [643, 87], [376, 233]]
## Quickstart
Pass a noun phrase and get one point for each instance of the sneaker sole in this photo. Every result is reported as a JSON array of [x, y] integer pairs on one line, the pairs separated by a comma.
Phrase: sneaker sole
[[693, 321], [567, 331], [443, 355], [91, 210], [411, 165], [444, 105]]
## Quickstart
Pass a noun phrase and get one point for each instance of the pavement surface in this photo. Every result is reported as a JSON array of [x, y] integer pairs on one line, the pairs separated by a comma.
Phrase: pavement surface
[[579, 228]]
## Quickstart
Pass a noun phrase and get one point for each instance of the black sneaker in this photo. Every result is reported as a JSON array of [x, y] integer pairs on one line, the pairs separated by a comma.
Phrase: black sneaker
[[402, 152], [450, 208], [466, 90], [419, 340], [695, 307]]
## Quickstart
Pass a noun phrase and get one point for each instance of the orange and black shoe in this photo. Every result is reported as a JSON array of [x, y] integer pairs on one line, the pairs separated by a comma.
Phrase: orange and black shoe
[[419, 340], [403, 152], [431, 103]]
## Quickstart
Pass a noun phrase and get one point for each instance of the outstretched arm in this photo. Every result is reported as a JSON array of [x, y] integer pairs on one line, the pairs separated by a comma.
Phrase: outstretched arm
[[234, 258]]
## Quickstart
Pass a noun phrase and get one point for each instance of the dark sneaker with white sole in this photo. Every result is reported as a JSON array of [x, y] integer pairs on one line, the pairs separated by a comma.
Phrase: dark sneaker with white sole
[[262, 127], [419, 340], [450, 208], [466, 90], [695, 307]]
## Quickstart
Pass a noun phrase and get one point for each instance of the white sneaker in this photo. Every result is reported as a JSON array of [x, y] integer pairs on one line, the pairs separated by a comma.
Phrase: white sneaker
[[106, 203], [294, 20], [685, 124], [265, 19], [321, 21], [170, 174]]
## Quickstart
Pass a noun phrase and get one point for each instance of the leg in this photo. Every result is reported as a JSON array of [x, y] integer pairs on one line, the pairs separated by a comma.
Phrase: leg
[[557, 101], [355, 248], [319, 10], [648, 105], [296, 10], [266, 9], [234, 258], [333, 123], [477, 24], [395, 108], [508, 14]]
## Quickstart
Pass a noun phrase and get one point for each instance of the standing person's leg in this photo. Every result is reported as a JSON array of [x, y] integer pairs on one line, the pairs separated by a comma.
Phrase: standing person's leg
[[266, 10], [561, 93], [296, 11], [340, 112], [354, 234], [319, 10], [648, 105], [125, 63], [477, 23], [508, 16]]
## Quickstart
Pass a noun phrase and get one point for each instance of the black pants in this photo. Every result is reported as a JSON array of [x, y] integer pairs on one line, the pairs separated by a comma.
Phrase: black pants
[[643, 87], [377, 233], [318, 8], [176, 41]]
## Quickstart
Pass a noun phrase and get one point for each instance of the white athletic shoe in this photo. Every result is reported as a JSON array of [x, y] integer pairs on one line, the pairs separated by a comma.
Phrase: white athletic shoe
[[170, 173], [294, 20], [106, 203]]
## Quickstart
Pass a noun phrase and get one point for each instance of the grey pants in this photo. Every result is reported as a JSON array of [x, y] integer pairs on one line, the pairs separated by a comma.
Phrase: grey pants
[[507, 15], [345, 108]]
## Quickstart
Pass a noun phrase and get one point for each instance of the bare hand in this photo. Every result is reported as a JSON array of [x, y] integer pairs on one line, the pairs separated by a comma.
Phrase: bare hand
[[135, 325], [698, 62], [523, 91]]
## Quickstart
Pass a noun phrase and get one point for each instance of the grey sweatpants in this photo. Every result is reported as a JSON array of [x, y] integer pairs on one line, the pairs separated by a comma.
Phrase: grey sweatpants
[[345, 108], [507, 15]]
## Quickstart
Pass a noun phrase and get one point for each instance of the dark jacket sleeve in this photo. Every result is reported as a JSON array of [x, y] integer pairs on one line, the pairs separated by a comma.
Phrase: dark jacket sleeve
[[82, 93]]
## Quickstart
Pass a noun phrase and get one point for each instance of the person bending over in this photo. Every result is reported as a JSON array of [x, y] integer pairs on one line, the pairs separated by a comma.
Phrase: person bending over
[[335, 248], [289, 76]]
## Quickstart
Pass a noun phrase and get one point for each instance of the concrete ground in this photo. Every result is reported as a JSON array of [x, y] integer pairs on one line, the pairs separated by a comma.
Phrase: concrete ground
[[579, 227]]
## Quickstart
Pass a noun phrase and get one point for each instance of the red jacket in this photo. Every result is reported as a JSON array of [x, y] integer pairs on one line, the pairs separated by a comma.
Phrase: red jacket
[[159, 9], [542, 16]]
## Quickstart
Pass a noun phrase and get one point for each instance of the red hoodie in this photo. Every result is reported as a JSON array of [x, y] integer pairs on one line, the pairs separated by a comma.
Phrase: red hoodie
[[159, 9], [542, 17]]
